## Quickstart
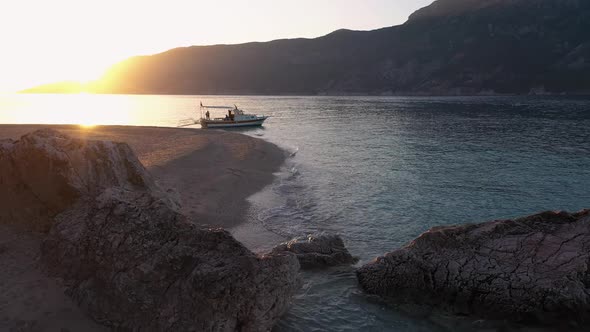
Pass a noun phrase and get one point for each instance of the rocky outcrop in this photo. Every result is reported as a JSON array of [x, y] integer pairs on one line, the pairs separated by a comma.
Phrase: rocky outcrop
[[128, 257], [133, 262], [46, 172], [533, 269], [441, 8], [319, 250]]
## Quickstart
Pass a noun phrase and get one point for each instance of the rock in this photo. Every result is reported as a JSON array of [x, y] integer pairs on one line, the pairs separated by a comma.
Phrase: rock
[[318, 251], [45, 172], [531, 270], [133, 262], [125, 253]]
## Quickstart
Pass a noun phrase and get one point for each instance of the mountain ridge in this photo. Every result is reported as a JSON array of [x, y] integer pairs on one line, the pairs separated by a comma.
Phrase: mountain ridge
[[452, 47]]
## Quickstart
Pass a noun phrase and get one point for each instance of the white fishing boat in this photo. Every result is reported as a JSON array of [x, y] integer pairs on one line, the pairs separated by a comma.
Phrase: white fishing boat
[[234, 117]]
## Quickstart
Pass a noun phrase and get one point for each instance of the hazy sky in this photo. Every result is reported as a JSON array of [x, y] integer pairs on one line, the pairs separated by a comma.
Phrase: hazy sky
[[53, 40]]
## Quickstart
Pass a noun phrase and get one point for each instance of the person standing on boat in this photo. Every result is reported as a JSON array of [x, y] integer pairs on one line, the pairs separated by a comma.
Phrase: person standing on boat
[[207, 115]]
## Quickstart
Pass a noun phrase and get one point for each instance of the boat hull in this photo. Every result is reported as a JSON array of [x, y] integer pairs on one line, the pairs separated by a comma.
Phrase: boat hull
[[231, 124]]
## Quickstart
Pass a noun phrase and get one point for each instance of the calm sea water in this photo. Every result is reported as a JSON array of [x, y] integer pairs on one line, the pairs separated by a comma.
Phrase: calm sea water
[[378, 171]]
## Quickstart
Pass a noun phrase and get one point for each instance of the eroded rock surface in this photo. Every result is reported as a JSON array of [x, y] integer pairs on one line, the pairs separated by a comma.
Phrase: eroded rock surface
[[128, 257], [46, 172], [318, 250], [533, 269], [133, 262]]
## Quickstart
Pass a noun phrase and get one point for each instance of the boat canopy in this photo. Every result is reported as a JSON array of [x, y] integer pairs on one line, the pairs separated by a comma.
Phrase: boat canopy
[[224, 107]]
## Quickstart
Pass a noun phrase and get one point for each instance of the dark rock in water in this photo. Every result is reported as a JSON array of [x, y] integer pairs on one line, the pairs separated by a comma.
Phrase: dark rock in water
[[318, 251], [532, 270], [128, 257]]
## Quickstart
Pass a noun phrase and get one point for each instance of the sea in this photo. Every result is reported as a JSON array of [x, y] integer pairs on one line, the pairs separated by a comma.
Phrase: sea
[[379, 171]]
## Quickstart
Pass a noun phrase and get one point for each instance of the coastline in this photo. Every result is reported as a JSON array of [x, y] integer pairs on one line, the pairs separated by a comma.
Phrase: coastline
[[211, 172], [454, 92]]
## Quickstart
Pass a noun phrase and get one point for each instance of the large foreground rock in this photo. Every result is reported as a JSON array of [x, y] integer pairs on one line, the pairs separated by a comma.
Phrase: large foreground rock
[[533, 269], [128, 257], [319, 250], [45, 173]]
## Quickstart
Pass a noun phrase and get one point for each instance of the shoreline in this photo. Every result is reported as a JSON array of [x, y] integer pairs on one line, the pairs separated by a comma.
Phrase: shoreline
[[211, 172], [331, 94]]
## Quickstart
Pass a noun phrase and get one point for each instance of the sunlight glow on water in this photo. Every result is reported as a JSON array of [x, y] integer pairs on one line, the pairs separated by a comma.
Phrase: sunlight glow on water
[[90, 109], [379, 171]]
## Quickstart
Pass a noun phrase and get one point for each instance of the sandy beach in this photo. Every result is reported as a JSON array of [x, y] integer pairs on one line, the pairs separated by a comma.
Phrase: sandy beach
[[211, 172]]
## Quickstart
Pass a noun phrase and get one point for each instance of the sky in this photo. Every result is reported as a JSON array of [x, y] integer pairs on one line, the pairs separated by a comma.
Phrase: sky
[[45, 41]]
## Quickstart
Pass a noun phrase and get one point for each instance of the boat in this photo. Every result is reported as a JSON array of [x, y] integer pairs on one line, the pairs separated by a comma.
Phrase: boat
[[235, 117]]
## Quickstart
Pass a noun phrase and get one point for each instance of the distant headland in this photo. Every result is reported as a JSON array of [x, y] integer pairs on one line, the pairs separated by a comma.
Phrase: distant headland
[[452, 47]]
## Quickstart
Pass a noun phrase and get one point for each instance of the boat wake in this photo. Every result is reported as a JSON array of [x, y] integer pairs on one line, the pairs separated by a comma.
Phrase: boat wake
[[186, 122]]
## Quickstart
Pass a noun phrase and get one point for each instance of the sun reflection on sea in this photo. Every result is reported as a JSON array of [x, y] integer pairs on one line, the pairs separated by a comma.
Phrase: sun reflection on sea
[[90, 110], [84, 109]]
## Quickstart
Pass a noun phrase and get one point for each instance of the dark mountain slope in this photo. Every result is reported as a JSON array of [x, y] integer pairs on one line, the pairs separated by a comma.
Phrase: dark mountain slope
[[508, 46], [450, 47]]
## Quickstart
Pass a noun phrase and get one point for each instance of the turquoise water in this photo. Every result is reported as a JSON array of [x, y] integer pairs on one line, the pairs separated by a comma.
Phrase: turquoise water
[[380, 171]]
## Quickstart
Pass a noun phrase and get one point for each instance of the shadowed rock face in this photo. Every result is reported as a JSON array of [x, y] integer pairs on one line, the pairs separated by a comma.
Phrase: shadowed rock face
[[318, 251], [133, 262], [44, 173], [533, 269], [128, 257], [441, 8]]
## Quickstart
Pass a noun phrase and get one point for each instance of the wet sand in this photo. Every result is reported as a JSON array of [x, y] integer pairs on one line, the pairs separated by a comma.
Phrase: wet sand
[[212, 172]]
